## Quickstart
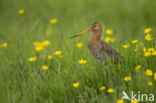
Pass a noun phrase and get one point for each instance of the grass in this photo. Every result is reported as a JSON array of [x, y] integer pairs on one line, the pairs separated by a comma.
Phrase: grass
[[26, 82]]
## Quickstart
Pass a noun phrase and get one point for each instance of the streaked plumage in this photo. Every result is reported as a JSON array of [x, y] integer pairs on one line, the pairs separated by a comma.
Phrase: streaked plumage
[[101, 50]]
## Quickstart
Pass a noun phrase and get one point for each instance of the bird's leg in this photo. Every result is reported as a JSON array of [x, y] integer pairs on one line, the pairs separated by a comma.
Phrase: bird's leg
[[107, 72]]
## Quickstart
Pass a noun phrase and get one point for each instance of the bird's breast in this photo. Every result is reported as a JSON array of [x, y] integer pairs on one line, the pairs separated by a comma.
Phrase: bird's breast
[[96, 49]]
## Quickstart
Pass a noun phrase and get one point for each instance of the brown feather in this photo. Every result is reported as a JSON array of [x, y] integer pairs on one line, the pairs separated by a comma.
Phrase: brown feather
[[100, 49]]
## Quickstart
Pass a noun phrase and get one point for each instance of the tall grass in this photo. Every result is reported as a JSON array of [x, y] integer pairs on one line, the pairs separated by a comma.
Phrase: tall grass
[[25, 82]]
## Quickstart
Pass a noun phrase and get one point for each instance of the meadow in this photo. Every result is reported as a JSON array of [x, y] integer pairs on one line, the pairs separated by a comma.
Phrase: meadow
[[40, 64]]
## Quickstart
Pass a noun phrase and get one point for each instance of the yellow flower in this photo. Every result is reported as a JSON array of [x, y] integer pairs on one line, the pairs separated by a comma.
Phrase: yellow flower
[[153, 53], [150, 49], [50, 57], [134, 41], [147, 30], [126, 79], [79, 45], [57, 52], [4, 45], [147, 54], [148, 72], [46, 43], [148, 37], [109, 31], [37, 44], [60, 56], [53, 21], [43, 44], [82, 61], [32, 59], [150, 83], [44, 67], [120, 101], [134, 101], [109, 40], [144, 49], [110, 90], [76, 84], [154, 76], [20, 11], [39, 48], [137, 67], [126, 46], [102, 88]]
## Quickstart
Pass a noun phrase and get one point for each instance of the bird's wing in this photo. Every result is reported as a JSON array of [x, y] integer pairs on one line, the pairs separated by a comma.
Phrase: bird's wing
[[111, 52]]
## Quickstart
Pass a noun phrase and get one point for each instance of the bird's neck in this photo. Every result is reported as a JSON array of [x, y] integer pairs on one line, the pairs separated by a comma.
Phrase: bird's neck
[[97, 34]]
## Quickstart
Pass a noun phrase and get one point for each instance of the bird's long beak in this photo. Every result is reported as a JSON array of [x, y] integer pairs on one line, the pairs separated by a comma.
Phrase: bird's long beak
[[83, 32]]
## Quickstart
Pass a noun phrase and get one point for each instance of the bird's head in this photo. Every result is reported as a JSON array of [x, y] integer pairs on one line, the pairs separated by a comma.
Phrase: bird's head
[[95, 27]]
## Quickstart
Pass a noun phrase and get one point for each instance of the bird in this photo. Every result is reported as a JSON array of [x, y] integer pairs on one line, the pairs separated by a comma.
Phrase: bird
[[99, 49]]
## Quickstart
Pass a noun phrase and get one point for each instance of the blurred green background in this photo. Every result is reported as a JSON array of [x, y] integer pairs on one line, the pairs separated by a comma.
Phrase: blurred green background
[[120, 12], [127, 15]]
